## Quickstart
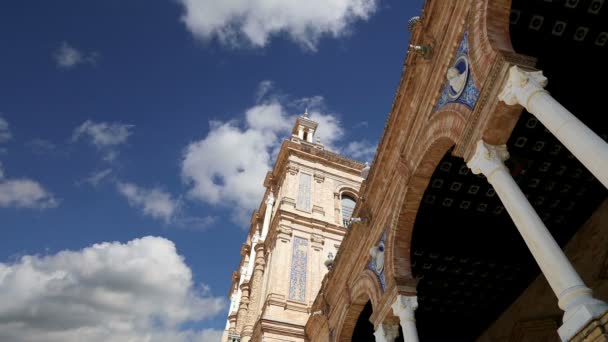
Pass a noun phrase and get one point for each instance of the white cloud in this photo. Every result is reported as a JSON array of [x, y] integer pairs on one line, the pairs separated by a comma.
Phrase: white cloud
[[361, 150], [68, 56], [24, 193], [211, 335], [254, 22], [137, 291], [5, 133], [153, 202], [103, 134], [106, 136], [228, 166], [96, 177]]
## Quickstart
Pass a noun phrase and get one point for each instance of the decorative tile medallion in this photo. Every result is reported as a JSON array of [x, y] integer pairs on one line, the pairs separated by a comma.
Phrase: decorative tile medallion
[[376, 262], [459, 88], [299, 261]]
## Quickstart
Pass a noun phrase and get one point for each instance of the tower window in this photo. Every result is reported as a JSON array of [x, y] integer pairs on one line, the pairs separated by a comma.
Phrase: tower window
[[305, 137], [348, 205]]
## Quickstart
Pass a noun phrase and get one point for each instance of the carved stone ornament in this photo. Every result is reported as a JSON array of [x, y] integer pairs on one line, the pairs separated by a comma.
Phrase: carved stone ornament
[[386, 332], [488, 158], [522, 85], [270, 200], [457, 76], [319, 178], [377, 253], [292, 169]]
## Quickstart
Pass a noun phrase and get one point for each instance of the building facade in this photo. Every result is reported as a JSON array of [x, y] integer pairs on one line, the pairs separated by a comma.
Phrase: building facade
[[484, 214], [294, 236], [492, 161]]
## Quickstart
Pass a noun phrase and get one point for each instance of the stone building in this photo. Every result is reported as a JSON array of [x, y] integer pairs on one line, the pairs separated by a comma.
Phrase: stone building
[[484, 214], [294, 235], [492, 160]]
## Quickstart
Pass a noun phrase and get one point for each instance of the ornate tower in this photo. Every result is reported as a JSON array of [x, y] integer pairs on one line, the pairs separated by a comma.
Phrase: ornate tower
[[302, 218]]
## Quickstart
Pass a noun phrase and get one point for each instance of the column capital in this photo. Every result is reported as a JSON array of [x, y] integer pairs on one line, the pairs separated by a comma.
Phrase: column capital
[[269, 200], [386, 332], [404, 307], [522, 85], [488, 158], [259, 247]]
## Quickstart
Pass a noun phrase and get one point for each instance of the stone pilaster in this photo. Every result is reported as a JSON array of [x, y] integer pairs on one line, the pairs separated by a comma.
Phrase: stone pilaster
[[242, 313], [256, 290]]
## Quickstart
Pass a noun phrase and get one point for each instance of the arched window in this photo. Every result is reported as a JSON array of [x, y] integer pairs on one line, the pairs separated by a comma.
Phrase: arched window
[[348, 205]]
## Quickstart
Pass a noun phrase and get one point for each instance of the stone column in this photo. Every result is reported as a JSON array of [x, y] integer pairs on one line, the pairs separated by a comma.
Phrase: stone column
[[404, 307], [267, 216], [255, 291], [241, 315], [574, 297], [527, 89], [232, 322], [386, 332], [251, 263], [301, 132]]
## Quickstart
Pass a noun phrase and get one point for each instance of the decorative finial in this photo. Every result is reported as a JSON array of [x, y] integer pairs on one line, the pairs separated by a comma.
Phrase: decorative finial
[[306, 113]]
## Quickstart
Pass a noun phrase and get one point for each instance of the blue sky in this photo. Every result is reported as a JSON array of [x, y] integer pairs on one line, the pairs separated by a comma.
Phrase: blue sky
[[126, 119]]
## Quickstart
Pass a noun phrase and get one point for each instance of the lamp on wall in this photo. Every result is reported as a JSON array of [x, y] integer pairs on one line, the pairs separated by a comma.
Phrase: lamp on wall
[[425, 51]]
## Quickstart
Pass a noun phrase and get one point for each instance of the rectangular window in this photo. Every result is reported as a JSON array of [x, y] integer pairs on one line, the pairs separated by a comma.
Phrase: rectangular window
[[304, 192], [299, 262]]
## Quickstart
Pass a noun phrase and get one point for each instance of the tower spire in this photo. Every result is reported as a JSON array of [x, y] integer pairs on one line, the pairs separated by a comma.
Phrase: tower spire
[[305, 113]]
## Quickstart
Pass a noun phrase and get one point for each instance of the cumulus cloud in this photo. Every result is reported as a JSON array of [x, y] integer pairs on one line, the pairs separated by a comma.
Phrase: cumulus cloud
[[24, 193], [137, 291], [228, 166], [254, 22], [67, 56], [106, 136], [5, 133], [154, 202]]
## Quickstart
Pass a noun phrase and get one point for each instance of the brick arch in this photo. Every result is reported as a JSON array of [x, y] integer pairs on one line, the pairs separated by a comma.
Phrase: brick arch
[[441, 133], [489, 35], [365, 288]]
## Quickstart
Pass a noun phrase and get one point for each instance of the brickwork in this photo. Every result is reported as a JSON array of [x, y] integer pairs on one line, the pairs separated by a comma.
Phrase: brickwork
[[415, 139]]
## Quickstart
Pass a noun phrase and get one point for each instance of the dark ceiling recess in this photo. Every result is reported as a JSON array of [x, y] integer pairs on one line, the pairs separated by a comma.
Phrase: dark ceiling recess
[[364, 329], [470, 257]]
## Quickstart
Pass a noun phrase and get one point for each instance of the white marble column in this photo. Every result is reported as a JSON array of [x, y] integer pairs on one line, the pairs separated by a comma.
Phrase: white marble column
[[386, 333], [574, 297], [301, 132], [405, 307], [249, 272], [527, 89], [267, 216]]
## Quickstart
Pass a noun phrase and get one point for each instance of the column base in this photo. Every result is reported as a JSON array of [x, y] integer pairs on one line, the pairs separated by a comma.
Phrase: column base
[[581, 317], [595, 331]]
